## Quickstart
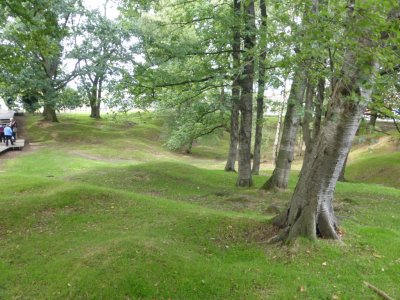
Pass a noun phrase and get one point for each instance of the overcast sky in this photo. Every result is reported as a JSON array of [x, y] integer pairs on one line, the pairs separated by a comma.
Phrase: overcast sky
[[112, 11]]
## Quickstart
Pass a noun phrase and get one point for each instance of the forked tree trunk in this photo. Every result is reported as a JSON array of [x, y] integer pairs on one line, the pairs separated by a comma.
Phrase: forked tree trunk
[[310, 212], [260, 92], [246, 101], [234, 131], [280, 175]]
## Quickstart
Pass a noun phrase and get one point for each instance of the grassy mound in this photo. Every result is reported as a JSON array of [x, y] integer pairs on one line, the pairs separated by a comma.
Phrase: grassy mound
[[377, 162], [79, 221]]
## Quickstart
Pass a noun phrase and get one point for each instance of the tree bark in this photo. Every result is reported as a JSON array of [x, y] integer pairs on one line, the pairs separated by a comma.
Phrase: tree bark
[[95, 98], [343, 169], [49, 113], [372, 120], [319, 108], [310, 212], [308, 134], [234, 130], [307, 118], [275, 149], [260, 92], [280, 175], [246, 101]]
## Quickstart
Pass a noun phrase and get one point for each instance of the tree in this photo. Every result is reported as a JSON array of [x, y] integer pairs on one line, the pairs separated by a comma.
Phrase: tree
[[185, 65], [310, 212], [234, 119], [38, 30], [294, 109], [246, 98], [261, 88], [280, 175], [102, 54]]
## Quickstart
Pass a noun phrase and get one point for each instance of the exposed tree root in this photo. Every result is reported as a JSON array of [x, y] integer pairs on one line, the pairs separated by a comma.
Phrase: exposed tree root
[[230, 170], [378, 291]]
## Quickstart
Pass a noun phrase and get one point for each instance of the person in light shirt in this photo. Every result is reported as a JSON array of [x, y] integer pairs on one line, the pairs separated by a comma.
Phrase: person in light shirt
[[8, 134]]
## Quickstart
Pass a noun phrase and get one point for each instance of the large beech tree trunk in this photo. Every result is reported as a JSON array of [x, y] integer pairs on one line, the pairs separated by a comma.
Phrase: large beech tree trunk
[[310, 212], [234, 131], [260, 92], [246, 100], [280, 175]]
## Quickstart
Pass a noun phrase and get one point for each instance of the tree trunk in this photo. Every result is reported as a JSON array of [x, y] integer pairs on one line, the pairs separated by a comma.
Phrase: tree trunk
[[234, 131], [280, 175], [307, 118], [275, 149], [372, 120], [246, 101], [300, 142], [95, 98], [261, 89], [49, 113], [93, 105], [189, 147], [318, 108], [341, 174], [310, 213], [95, 110], [308, 134]]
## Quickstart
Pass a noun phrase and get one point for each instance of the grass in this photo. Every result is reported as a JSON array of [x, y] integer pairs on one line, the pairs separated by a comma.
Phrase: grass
[[376, 162], [89, 214]]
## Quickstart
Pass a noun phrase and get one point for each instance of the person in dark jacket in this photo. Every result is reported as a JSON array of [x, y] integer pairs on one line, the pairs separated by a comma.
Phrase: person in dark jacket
[[2, 139], [13, 125]]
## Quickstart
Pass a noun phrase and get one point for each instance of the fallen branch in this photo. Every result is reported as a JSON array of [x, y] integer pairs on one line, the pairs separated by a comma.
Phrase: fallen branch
[[378, 291]]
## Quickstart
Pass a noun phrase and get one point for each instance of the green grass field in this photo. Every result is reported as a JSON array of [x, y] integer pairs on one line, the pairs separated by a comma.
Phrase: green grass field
[[101, 210]]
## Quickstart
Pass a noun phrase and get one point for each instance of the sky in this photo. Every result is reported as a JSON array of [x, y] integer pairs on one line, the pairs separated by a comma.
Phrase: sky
[[112, 11]]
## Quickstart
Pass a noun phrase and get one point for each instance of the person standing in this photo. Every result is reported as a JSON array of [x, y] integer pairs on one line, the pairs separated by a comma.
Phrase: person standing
[[8, 134], [2, 133], [13, 125]]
